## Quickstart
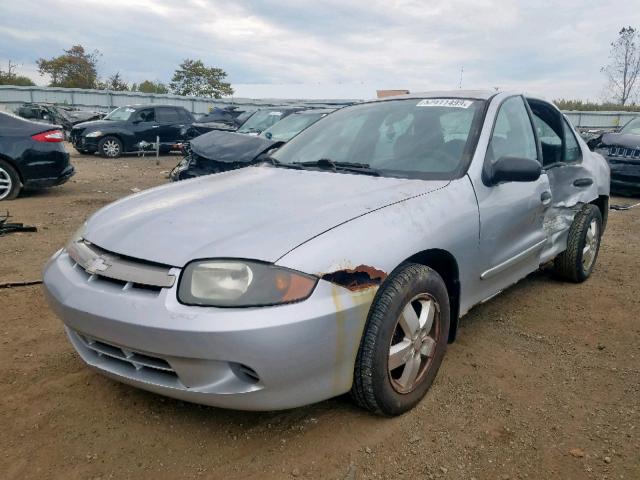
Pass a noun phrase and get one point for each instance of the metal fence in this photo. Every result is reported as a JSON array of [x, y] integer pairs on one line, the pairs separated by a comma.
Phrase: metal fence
[[597, 120], [11, 97]]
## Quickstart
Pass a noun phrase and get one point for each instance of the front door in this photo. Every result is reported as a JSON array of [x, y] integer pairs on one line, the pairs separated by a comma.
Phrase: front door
[[512, 234]]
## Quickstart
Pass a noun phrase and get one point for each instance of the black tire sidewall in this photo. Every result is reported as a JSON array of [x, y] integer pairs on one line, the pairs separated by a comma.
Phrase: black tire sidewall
[[590, 213], [16, 184], [426, 281], [101, 146]]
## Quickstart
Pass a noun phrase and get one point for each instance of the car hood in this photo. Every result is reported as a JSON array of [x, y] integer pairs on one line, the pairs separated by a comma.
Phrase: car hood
[[229, 147], [98, 124], [621, 139], [256, 212]]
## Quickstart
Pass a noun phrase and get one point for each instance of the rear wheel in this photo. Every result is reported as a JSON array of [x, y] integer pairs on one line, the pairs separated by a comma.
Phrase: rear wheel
[[9, 181], [404, 341], [110, 147], [583, 244]]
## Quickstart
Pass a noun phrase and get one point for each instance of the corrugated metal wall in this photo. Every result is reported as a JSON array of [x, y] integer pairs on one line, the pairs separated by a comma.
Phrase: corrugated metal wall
[[12, 97], [600, 119]]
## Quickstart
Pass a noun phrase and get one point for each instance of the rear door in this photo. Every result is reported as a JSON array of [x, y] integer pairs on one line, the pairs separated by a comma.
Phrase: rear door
[[512, 234], [170, 123]]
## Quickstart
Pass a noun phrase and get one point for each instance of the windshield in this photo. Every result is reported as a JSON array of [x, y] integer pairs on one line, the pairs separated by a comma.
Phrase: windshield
[[120, 114], [290, 126], [260, 121], [430, 138], [632, 128]]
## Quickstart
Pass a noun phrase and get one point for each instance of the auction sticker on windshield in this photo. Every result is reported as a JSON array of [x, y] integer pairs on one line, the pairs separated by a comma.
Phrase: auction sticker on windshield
[[445, 102]]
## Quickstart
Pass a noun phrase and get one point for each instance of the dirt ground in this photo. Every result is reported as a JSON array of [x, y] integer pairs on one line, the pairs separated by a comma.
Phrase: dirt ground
[[543, 381]]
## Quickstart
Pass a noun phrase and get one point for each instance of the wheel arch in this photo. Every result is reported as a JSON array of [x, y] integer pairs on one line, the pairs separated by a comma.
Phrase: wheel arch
[[11, 162], [446, 265], [602, 202]]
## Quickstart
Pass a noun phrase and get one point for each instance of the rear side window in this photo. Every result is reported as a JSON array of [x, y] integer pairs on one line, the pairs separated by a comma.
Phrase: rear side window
[[572, 152], [168, 115], [512, 133]]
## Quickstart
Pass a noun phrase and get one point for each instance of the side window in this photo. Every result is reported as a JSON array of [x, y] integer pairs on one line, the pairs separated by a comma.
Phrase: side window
[[146, 115], [184, 115], [512, 133], [572, 152], [168, 115]]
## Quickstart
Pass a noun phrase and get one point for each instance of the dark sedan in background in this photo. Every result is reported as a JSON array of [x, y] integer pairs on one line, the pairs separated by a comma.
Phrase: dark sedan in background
[[32, 156], [622, 151], [128, 129]]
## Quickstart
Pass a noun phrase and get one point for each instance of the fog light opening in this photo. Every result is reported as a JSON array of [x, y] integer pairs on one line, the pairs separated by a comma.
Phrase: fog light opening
[[245, 373]]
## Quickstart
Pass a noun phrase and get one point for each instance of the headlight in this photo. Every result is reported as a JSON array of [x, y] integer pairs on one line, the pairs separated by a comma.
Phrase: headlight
[[95, 134], [240, 283]]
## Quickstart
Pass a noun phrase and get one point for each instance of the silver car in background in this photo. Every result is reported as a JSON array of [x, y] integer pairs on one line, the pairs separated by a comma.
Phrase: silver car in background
[[343, 264]]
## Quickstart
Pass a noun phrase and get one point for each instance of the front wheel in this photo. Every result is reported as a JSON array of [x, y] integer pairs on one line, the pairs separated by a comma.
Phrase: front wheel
[[404, 341], [110, 147], [583, 244]]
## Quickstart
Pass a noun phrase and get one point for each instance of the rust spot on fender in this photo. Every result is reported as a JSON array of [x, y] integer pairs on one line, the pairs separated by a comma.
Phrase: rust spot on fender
[[357, 278]]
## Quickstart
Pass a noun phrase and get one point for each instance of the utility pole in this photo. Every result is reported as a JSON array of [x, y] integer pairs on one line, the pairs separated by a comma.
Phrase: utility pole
[[461, 72]]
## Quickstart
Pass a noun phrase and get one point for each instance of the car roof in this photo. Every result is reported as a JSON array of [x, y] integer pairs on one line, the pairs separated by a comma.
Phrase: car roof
[[315, 111], [138, 106], [472, 94]]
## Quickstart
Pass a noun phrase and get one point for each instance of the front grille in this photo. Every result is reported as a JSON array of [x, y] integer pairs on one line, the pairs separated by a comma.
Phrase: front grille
[[101, 265], [624, 152], [127, 358]]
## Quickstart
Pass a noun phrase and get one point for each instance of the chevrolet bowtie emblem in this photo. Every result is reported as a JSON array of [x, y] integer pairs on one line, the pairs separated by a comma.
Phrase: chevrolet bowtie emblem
[[97, 265]]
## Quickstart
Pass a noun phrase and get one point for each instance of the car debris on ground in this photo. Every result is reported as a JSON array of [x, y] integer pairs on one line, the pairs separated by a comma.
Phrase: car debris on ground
[[6, 227]]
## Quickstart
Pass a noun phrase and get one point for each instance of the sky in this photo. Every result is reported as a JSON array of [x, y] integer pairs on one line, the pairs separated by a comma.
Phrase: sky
[[332, 48]]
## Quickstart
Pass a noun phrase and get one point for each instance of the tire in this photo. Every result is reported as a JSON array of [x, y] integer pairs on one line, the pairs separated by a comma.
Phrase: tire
[[576, 263], [377, 385], [110, 147], [10, 184]]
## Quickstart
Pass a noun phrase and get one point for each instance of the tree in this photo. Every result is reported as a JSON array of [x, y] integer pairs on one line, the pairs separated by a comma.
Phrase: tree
[[76, 68], [115, 83], [624, 65], [149, 86], [194, 79], [10, 78]]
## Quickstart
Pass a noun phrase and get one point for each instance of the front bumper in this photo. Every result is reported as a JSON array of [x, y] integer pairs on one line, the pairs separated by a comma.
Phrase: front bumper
[[625, 176], [82, 143], [250, 359]]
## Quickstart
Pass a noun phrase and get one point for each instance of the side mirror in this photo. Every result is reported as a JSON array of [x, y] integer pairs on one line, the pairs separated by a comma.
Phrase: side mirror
[[515, 169]]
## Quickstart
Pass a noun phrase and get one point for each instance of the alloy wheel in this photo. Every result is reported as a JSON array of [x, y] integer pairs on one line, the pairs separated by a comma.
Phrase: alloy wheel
[[590, 246], [111, 148], [414, 342], [5, 183]]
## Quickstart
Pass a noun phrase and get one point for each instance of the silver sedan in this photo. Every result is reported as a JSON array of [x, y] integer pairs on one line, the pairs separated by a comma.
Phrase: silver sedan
[[343, 263]]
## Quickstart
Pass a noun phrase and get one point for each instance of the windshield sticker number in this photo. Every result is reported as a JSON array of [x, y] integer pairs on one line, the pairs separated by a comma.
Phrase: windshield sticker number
[[130, 110], [277, 114], [445, 102]]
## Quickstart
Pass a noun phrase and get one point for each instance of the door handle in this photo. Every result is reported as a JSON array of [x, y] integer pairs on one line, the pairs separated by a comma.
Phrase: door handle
[[545, 198], [582, 182]]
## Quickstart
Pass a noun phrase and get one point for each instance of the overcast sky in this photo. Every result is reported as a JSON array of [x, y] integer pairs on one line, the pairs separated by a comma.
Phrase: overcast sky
[[332, 48]]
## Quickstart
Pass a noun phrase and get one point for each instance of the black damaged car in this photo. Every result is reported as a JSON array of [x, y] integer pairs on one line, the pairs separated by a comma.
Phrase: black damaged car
[[622, 151], [128, 129], [32, 156]]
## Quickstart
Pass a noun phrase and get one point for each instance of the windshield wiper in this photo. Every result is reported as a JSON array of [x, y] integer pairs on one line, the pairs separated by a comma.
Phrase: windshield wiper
[[328, 164], [278, 163]]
